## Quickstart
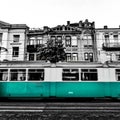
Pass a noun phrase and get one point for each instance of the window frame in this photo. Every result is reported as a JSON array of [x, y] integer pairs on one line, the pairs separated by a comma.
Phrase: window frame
[[15, 53], [33, 56], [18, 74], [117, 74], [2, 75], [38, 71], [70, 73], [68, 55], [68, 41], [75, 41], [76, 57], [1, 36], [88, 56], [87, 74], [16, 38]]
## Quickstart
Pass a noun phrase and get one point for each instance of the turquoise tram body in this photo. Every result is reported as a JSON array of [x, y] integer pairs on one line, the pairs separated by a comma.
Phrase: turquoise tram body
[[60, 80]]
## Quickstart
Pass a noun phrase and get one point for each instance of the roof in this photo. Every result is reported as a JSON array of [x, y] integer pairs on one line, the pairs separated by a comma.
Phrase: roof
[[5, 25]]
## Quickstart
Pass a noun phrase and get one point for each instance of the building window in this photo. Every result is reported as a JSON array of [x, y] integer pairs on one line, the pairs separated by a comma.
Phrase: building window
[[118, 57], [37, 56], [17, 75], [74, 42], [68, 41], [16, 38], [3, 74], [91, 57], [39, 40], [68, 56], [106, 38], [35, 74], [89, 75], [59, 39], [88, 46], [117, 74], [70, 75], [53, 38], [115, 38], [31, 41], [88, 57], [15, 52], [1, 34], [31, 57], [75, 57]]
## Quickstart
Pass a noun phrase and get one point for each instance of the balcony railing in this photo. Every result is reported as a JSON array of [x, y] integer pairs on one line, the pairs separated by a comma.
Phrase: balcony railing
[[112, 46], [33, 48]]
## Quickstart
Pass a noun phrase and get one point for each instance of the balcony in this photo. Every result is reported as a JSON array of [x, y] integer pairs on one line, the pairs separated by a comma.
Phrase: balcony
[[112, 46], [33, 48]]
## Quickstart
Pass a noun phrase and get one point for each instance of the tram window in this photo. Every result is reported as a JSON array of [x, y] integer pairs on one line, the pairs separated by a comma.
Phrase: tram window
[[118, 74], [70, 75], [35, 74], [89, 75], [3, 74], [17, 75]]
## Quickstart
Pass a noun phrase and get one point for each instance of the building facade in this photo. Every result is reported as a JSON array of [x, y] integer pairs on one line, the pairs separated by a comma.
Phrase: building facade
[[12, 41], [82, 42], [108, 44], [78, 39]]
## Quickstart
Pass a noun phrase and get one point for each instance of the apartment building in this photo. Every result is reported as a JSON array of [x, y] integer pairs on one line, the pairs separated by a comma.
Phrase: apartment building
[[78, 39], [108, 44], [82, 41], [12, 41]]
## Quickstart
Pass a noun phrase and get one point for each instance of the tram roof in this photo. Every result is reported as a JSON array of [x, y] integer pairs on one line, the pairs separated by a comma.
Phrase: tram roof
[[73, 64], [43, 64]]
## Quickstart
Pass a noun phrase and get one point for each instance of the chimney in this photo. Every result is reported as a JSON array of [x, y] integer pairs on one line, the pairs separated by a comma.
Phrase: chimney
[[93, 24], [68, 23], [105, 27], [45, 28], [86, 21], [80, 23]]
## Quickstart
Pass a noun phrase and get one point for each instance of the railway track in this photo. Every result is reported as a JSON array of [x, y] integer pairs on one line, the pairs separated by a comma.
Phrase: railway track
[[64, 106], [59, 111]]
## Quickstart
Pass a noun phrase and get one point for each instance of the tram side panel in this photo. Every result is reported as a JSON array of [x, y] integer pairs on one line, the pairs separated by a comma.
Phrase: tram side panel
[[115, 83], [25, 88], [3, 89], [79, 88], [53, 85]]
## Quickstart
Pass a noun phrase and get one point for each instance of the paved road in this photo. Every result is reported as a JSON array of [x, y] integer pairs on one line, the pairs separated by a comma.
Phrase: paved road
[[37, 110]]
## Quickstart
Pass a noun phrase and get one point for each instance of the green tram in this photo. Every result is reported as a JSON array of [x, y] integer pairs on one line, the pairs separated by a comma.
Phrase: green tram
[[60, 80]]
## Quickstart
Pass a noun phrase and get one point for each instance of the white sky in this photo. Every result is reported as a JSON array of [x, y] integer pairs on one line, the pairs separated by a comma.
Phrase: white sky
[[39, 13]]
